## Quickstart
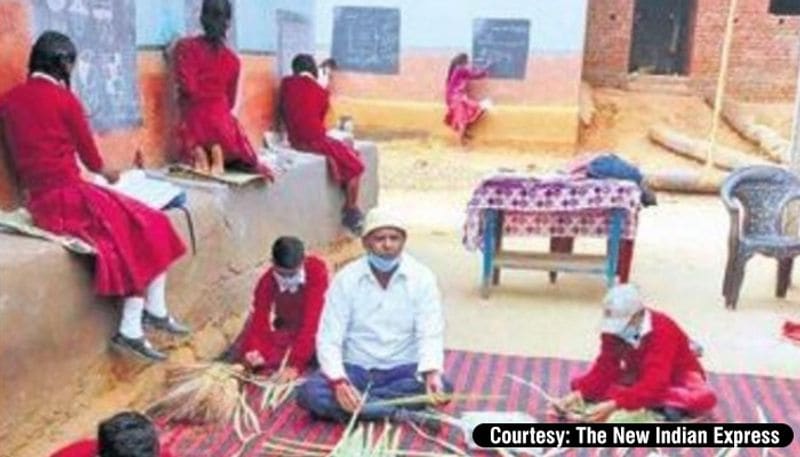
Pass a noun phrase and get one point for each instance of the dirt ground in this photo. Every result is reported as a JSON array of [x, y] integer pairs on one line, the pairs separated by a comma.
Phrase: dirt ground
[[678, 261]]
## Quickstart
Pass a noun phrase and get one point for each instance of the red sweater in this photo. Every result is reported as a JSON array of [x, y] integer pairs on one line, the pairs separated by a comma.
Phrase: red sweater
[[639, 377], [88, 448], [298, 315], [303, 106], [44, 125]]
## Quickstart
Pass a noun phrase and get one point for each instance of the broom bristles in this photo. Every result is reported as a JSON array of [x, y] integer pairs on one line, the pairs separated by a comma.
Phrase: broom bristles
[[200, 393]]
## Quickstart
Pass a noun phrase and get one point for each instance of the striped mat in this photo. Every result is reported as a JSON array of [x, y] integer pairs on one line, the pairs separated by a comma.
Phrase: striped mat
[[739, 396]]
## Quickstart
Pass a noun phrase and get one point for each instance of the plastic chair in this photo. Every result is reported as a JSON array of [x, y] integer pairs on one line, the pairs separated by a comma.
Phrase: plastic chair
[[756, 199]]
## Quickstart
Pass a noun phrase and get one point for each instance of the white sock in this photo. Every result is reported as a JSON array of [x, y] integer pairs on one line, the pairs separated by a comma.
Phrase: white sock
[[130, 325], [156, 303]]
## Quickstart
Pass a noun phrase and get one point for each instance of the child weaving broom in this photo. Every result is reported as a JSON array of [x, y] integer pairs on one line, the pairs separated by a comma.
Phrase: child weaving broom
[[293, 290], [645, 362]]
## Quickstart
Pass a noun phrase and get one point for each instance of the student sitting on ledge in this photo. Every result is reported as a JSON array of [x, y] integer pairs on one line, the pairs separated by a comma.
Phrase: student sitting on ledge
[[43, 126], [303, 105], [207, 74]]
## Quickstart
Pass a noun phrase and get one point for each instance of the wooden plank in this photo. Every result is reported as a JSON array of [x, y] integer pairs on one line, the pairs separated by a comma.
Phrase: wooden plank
[[578, 263]]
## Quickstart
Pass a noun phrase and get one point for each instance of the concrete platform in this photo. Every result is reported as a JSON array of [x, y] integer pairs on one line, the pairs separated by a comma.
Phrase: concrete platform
[[54, 331]]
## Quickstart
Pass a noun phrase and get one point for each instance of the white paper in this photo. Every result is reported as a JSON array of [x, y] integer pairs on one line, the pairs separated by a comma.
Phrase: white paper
[[137, 185]]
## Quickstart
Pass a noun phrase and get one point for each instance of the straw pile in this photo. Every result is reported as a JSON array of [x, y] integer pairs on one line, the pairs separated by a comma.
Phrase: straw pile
[[201, 393]]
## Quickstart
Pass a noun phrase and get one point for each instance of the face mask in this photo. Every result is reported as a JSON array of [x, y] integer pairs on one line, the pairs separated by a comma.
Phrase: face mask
[[630, 333], [382, 264]]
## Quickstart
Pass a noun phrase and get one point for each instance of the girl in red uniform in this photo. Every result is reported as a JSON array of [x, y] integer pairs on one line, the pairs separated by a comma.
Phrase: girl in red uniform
[[646, 361], [462, 111], [44, 126], [207, 74], [293, 291], [303, 105]]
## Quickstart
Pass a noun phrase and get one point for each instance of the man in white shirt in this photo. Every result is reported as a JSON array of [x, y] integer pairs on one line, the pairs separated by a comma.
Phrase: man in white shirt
[[381, 332]]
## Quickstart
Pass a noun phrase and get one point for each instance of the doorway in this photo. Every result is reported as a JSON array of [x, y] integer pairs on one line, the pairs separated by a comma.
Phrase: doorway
[[660, 41]]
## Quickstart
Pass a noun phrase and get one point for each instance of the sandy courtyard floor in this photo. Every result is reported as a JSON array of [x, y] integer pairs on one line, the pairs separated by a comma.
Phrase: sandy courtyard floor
[[678, 263]]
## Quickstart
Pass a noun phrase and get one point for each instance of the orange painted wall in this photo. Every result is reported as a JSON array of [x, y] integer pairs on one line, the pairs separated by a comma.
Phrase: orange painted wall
[[155, 137], [542, 108], [550, 80]]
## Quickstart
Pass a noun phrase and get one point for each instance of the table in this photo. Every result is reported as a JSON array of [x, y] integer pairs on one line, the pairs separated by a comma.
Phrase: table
[[561, 208]]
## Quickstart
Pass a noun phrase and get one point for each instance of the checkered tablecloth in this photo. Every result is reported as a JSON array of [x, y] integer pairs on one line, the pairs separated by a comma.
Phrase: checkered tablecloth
[[552, 207]]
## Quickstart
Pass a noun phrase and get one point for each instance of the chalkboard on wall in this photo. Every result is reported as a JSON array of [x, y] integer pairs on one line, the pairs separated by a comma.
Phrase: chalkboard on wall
[[295, 36], [504, 43], [106, 74], [366, 39]]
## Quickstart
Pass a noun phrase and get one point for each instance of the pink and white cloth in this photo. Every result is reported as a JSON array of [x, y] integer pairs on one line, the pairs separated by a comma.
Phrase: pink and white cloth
[[552, 207]]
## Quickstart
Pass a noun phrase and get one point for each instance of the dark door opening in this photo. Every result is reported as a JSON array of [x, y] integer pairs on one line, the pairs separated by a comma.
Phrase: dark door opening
[[660, 42]]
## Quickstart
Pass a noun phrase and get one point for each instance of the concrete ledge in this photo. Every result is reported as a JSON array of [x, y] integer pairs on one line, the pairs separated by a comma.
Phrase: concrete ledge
[[54, 331], [536, 125]]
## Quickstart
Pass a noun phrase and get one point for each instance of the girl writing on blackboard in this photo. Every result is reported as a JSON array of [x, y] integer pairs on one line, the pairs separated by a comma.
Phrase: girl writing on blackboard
[[303, 105], [462, 111], [207, 74], [42, 126]]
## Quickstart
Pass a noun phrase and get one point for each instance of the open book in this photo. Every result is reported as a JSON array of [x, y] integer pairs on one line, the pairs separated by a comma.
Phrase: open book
[[136, 184]]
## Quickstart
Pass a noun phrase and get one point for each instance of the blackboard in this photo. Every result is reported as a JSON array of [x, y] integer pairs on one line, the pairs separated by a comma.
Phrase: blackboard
[[504, 43], [366, 39], [105, 77], [294, 37], [192, 9]]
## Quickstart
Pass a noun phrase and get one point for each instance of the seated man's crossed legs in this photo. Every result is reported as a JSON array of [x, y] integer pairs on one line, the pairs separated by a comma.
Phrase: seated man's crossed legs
[[317, 396]]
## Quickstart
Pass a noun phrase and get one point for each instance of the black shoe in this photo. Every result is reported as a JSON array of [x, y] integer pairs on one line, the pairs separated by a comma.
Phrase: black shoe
[[167, 324], [139, 347], [353, 219]]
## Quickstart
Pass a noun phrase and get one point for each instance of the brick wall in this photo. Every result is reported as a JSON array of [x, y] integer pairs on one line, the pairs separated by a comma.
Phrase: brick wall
[[608, 40], [764, 53]]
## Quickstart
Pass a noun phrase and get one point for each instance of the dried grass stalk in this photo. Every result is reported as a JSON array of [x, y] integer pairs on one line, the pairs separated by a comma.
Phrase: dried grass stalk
[[450, 447], [200, 393]]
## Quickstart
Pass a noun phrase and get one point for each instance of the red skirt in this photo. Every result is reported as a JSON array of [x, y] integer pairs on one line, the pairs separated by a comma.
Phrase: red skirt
[[134, 243], [344, 163], [462, 111], [210, 124]]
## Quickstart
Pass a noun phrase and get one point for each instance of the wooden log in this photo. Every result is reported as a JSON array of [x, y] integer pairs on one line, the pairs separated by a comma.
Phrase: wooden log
[[725, 158], [685, 180], [774, 146]]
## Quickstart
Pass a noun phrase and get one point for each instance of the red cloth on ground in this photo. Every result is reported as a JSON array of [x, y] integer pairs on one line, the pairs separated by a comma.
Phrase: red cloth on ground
[[207, 79], [791, 330], [298, 313], [303, 107], [85, 448], [88, 448], [44, 125], [461, 109], [662, 371]]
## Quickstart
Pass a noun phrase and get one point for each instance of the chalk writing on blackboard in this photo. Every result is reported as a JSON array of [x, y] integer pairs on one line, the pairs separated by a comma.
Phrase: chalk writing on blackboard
[[294, 37], [503, 43], [106, 75], [366, 39]]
